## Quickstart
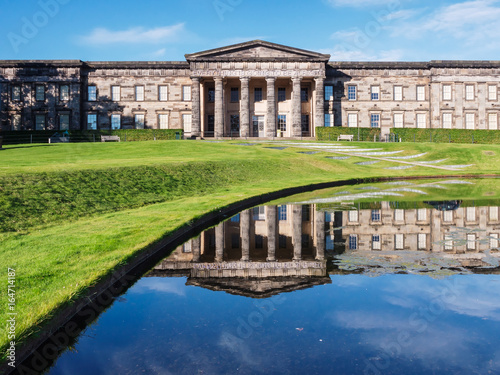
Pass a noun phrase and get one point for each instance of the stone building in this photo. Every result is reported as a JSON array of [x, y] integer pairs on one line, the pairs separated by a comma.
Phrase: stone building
[[252, 89]]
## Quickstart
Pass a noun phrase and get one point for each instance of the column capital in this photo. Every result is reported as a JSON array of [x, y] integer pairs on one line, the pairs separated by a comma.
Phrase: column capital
[[270, 79], [218, 79], [296, 79], [196, 79], [245, 79], [319, 79]]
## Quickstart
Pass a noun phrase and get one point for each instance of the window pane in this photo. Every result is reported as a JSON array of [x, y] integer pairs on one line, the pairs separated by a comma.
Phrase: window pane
[[257, 93], [448, 216], [328, 92], [139, 93], [235, 97], [376, 242], [63, 122], [375, 215], [282, 213], [282, 123], [304, 122], [422, 241], [398, 120], [139, 121], [304, 94], [92, 121], [327, 120], [420, 93], [447, 120], [399, 215], [492, 121], [492, 92], [92, 93], [469, 121], [353, 242], [351, 92], [115, 121], [398, 92], [494, 213], [352, 120], [399, 241], [163, 121], [353, 216], [186, 122], [16, 122], [115, 93], [471, 213], [375, 120], [421, 121], [16, 93], [186, 93], [211, 94], [471, 242], [421, 214], [448, 242], [469, 92], [64, 93], [446, 92], [375, 92], [235, 123], [281, 94], [494, 240], [163, 93], [40, 122], [40, 93]]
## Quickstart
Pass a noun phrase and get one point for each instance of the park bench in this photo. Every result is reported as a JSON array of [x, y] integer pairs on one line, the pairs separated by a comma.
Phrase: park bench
[[106, 138], [345, 137], [59, 138]]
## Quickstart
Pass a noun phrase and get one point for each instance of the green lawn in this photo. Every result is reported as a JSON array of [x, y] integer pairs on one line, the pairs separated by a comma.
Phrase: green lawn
[[71, 213]]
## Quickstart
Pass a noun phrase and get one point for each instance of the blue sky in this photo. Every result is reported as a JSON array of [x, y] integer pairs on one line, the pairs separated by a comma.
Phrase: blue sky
[[351, 30]]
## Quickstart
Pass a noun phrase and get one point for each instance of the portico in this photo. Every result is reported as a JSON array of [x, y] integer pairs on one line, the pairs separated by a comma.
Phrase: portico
[[257, 89]]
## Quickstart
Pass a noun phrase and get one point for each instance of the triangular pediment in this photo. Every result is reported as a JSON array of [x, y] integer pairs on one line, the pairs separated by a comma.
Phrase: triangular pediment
[[257, 50]]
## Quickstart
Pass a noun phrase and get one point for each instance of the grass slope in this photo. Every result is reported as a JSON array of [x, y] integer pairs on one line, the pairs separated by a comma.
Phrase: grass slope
[[71, 213]]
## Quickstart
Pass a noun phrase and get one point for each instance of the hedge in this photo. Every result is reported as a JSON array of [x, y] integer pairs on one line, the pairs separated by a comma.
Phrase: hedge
[[42, 136], [447, 135], [331, 133]]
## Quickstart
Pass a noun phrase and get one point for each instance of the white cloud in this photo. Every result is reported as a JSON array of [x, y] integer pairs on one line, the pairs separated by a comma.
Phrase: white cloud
[[362, 3], [160, 284], [166, 34]]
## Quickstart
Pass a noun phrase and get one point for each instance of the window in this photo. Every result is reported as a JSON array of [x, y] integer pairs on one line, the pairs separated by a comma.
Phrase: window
[[16, 93], [493, 213], [375, 92], [282, 213], [471, 213], [469, 121], [448, 242], [92, 93], [447, 120], [40, 122], [351, 92], [282, 123], [375, 215], [328, 93], [64, 122], [258, 125], [398, 120], [304, 94], [375, 120], [398, 93], [64, 93], [492, 121], [304, 122], [422, 241], [235, 241], [305, 241], [376, 242], [259, 213], [282, 241], [469, 92], [353, 242], [91, 121], [281, 94], [186, 248], [421, 121], [235, 94], [259, 241], [422, 214], [492, 92], [446, 92], [40, 93], [115, 121], [257, 94], [352, 120], [448, 216], [235, 123], [163, 121], [494, 240], [16, 122], [186, 123], [328, 120], [139, 93], [139, 121], [471, 242], [162, 93], [186, 93], [211, 94], [399, 241], [235, 218], [352, 216], [210, 123], [420, 93], [306, 212], [329, 243], [115, 93], [399, 215]]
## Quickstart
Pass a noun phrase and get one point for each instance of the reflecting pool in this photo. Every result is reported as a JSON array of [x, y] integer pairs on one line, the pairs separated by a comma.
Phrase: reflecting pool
[[364, 280]]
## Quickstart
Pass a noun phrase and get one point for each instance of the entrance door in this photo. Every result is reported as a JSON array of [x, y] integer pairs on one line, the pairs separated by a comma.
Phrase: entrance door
[[258, 126]]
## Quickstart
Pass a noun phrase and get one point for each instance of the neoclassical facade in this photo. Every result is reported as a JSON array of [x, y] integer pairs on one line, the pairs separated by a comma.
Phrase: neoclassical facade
[[252, 89]]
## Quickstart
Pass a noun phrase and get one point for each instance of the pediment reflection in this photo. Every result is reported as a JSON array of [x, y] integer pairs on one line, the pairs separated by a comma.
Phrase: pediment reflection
[[268, 250]]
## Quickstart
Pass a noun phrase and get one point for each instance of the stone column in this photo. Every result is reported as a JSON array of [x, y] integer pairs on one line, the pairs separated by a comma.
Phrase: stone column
[[245, 108], [271, 107], [271, 233], [245, 235], [320, 234], [219, 242], [319, 110], [219, 108], [297, 231], [296, 108], [196, 107], [195, 246]]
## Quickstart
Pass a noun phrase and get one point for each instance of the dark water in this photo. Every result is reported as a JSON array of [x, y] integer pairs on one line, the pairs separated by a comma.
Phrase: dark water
[[317, 288]]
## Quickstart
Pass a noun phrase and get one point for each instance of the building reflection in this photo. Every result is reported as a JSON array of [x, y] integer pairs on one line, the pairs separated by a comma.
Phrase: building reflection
[[270, 249]]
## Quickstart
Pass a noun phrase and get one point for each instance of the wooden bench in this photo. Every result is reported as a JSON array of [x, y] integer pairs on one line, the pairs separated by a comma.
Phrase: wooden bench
[[345, 137], [106, 138]]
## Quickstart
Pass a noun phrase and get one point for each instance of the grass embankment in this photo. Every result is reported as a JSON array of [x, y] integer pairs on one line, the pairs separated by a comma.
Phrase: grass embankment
[[71, 213]]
